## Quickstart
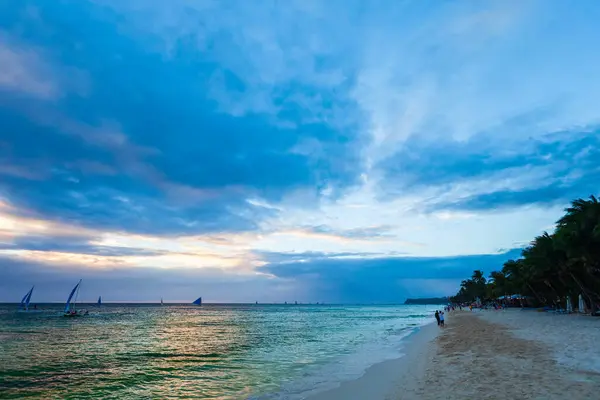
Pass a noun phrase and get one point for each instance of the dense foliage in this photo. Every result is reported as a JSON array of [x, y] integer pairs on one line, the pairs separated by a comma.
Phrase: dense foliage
[[553, 267]]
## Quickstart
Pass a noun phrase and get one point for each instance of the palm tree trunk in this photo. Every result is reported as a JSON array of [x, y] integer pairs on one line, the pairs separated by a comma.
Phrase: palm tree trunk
[[535, 293], [556, 294]]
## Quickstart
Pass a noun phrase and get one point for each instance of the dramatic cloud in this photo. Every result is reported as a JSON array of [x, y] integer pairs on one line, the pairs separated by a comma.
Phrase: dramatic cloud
[[484, 173], [150, 141], [338, 150]]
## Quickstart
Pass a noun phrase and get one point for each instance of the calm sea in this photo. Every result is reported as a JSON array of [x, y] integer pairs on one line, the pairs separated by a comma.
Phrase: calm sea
[[261, 352]]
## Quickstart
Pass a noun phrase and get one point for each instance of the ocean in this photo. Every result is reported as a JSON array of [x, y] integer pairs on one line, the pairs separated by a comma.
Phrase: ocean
[[258, 352]]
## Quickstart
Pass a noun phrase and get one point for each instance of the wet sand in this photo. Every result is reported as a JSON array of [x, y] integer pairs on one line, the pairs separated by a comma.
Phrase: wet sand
[[384, 379]]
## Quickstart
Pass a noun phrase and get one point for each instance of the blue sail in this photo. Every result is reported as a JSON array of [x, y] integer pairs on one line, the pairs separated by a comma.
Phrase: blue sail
[[99, 300], [26, 299], [198, 301], [68, 305], [23, 300]]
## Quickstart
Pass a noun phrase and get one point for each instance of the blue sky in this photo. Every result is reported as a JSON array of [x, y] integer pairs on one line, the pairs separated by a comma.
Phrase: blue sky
[[331, 151]]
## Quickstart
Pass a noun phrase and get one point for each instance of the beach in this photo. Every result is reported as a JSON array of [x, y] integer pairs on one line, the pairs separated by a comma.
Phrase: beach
[[489, 355], [277, 352]]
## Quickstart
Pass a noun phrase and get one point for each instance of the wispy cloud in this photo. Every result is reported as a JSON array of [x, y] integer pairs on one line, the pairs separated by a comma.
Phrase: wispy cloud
[[25, 70], [22, 70]]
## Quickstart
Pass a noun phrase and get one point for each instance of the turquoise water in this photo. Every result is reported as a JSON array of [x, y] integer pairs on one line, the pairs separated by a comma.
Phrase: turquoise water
[[208, 352]]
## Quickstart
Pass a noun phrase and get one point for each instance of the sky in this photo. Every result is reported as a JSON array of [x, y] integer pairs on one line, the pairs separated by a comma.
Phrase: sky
[[335, 151]]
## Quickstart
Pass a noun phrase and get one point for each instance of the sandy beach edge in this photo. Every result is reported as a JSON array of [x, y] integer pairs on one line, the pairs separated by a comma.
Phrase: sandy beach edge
[[383, 379]]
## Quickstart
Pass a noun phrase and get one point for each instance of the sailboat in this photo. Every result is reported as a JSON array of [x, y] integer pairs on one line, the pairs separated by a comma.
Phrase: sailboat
[[198, 301], [26, 299], [73, 312], [99, 301], [161, 302]]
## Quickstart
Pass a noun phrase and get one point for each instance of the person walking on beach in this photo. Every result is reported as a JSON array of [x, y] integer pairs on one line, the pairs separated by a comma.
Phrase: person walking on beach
[[437, 317], [441, 319]]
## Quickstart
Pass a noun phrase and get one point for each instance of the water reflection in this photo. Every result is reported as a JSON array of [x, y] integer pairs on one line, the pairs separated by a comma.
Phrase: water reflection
[[211, 352]]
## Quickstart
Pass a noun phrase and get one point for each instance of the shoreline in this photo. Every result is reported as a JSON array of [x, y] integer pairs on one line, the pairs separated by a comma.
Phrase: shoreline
[[382, 379], [487, 355]]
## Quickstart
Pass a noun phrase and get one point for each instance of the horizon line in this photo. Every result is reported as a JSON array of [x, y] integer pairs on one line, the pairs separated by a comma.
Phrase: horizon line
[[220, 303]]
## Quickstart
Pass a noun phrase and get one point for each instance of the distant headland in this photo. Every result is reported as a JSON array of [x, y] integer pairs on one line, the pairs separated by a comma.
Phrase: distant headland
[[429, 300]]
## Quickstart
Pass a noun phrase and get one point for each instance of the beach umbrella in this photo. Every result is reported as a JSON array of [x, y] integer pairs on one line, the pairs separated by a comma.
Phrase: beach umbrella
[[581, 304]]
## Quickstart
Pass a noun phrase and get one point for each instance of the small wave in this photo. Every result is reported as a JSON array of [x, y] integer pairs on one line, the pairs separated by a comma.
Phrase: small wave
[[150, 355]]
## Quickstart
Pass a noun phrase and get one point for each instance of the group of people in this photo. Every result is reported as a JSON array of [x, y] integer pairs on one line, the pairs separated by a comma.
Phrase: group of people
[[439, 316]]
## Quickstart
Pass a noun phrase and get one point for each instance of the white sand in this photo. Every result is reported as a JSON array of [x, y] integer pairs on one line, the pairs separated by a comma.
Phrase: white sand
[[574, 339], [509, 354]]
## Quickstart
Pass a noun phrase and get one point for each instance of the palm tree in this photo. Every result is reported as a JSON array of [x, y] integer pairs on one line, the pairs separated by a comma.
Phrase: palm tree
[[554, 266], [579, 233], [501, 284]]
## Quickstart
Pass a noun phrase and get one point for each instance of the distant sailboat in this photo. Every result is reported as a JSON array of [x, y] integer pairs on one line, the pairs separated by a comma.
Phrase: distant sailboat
[[26, 299], [72, 312], [99, 301], [198, 301], [161, 302]]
